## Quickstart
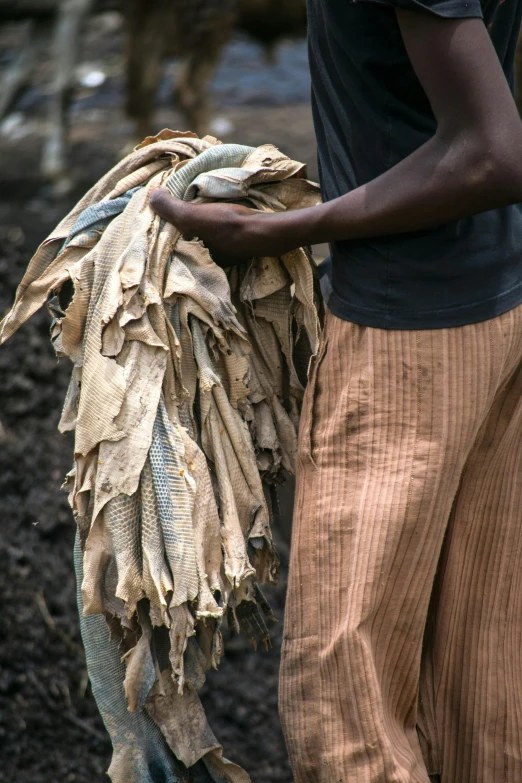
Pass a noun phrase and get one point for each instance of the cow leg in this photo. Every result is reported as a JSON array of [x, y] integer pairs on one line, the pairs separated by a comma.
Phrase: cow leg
[[19, 73], [66, 46], [208, 25], [193, 88], [192, 91], [145, 23]]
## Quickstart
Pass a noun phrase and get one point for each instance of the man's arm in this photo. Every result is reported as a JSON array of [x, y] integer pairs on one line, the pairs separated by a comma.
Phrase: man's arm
[[471, 165]]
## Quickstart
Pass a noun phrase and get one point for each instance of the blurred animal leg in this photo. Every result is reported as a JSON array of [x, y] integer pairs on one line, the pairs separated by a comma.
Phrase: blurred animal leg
[[144, 54], [18, 75], [196, 74], [66, 47]]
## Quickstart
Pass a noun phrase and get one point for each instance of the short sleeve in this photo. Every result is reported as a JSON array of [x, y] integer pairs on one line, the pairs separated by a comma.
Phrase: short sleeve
[[451, 9]]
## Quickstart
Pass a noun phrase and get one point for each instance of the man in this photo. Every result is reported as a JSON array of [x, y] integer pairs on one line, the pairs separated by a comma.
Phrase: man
[[403, 632]]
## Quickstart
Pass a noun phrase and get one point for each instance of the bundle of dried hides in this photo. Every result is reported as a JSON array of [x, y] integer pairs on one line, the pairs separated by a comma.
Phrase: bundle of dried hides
[[184, 397]]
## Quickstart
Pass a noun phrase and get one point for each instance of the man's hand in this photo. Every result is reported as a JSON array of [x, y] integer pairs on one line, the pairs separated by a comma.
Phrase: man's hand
[[232, 233]]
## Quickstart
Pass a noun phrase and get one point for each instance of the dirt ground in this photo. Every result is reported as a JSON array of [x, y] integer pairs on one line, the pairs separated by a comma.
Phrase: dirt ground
[[50, 730]]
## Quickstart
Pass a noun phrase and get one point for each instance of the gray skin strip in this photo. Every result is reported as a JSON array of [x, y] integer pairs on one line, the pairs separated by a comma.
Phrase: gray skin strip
[[99, 215], [153, 762], [221, 156], [133, 734]]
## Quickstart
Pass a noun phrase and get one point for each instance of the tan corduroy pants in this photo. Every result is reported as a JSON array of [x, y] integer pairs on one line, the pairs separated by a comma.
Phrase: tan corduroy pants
[[402, 653]]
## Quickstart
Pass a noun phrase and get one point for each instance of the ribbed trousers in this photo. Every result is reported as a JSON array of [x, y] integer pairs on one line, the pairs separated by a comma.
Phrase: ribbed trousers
[[402, 651]]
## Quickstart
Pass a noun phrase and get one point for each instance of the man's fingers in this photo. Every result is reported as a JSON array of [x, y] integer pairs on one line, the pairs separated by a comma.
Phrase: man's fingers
[[168, 207]]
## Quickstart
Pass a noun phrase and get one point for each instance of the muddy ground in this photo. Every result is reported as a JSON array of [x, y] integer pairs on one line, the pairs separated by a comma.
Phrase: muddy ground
[[50, 730]]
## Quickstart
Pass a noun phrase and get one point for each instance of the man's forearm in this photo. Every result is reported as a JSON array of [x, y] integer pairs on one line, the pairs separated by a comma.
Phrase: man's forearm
[[471, 165], [438, 183]]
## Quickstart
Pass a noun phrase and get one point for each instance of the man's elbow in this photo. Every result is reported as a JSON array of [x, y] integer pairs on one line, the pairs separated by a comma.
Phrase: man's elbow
[[495, 170]]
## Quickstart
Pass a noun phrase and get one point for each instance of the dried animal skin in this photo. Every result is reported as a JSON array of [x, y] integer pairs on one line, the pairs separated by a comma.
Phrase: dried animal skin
[[184, 398], [122, 515], [156, 575], [33, 289], [175, 491], [183, 720], [140, 671], [207, 535]]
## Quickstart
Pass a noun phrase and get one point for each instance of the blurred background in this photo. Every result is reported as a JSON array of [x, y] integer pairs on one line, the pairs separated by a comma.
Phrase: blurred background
[[80, 83]]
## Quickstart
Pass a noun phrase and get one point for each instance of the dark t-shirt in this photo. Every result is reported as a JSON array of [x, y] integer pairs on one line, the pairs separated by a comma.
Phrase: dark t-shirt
[[370, 112]]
